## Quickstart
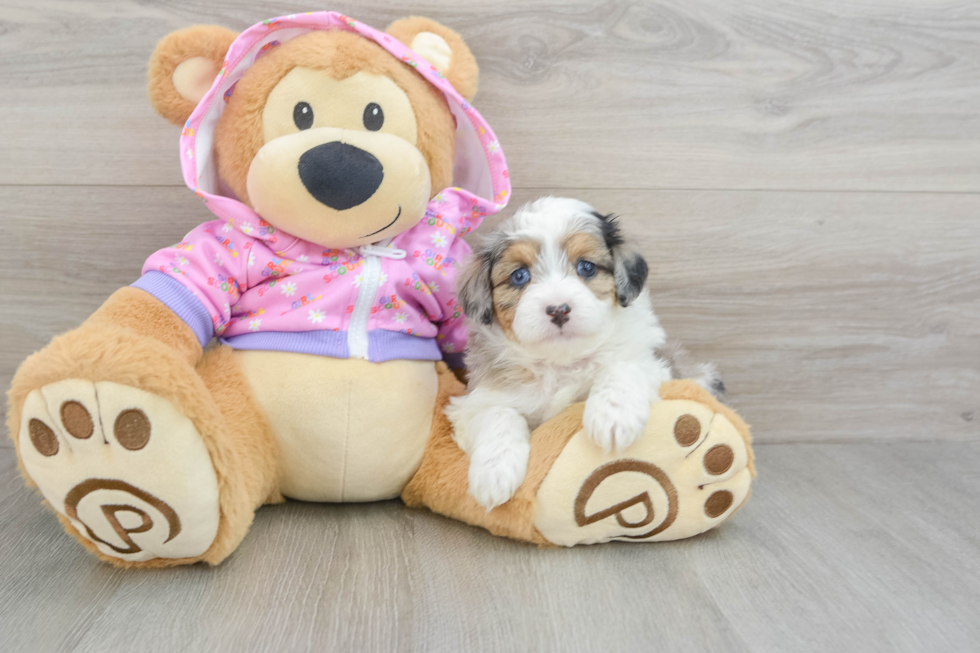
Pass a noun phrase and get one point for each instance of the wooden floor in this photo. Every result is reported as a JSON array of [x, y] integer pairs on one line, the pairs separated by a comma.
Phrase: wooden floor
[[804, 179], [843, 547]]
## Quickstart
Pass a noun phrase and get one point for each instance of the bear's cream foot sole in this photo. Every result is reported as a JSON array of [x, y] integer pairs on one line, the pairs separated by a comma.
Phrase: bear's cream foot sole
[[684, 475], [127, 468]]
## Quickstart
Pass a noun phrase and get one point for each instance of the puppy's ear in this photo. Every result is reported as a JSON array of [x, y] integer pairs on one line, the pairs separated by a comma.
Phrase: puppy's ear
[[443, 48], [183, 67], [474, 289], [631, 275], [629, 268]]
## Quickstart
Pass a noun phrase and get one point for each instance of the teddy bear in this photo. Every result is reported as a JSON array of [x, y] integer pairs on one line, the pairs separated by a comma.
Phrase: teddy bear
[[343, 166]]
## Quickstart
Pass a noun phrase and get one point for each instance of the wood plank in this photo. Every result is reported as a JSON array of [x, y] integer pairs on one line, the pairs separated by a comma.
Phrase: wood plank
[[677, 94], [858, 547], [832, 316]]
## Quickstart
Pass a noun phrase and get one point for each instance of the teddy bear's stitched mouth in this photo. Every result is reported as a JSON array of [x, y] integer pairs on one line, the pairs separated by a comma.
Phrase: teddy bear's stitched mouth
[[398, 215]]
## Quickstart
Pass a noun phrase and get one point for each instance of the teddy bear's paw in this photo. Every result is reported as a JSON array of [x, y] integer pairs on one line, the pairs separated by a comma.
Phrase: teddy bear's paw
[[125, 467], [687, 473]]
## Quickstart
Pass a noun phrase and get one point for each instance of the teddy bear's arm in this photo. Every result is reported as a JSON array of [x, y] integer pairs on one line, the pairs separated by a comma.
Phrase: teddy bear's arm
[[202, 278], [184, 291], [135, 309]]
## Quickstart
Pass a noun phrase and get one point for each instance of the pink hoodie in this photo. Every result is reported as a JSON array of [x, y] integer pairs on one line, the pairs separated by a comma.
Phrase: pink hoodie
[[256, 287]]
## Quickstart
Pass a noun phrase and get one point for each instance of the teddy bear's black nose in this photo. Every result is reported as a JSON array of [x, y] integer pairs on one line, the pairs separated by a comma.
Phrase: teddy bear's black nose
[[340, 175]]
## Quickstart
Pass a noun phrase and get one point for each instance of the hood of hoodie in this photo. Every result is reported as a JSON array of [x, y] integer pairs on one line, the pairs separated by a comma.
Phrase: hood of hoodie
[[481, 184]]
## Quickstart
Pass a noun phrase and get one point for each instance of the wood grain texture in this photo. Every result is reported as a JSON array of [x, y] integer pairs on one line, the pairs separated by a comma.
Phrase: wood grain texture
[[843, 547], [669, 94], [833, 316]]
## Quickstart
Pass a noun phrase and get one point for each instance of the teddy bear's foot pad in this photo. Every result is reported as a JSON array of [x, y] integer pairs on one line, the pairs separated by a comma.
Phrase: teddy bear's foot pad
[[127, 468], [686, 474]]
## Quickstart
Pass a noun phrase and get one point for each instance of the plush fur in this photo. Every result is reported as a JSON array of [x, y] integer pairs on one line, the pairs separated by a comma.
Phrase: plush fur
[[208, 41], [239, 134], [138, 310], [258, 451], [463, 73], [534, 358], [240, 451], [688, 390]]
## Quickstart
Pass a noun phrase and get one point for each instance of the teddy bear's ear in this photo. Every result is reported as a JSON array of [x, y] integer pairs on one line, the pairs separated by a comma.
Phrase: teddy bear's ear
[[443, 48], [183, 67]]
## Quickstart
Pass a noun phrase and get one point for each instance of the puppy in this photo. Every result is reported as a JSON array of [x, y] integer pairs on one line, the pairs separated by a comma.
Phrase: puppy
[[557, 314]]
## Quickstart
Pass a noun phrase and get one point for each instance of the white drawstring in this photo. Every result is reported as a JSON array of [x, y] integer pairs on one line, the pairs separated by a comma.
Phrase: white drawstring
[[383, 252]]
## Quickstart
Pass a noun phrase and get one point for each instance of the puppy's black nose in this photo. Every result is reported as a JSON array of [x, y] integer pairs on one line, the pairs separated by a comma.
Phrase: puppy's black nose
[[559, 314], [340, 175]]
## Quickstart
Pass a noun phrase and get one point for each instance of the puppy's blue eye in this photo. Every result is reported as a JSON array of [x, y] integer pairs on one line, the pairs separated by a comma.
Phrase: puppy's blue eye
[[520, 277], [586, 269]]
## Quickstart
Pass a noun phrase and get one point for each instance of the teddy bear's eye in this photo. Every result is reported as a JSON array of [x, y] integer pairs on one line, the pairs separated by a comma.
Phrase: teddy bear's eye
[[303, 115], [374, 117]]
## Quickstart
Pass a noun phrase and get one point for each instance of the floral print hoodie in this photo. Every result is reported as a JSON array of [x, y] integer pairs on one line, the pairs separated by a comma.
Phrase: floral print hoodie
[[255, 287]]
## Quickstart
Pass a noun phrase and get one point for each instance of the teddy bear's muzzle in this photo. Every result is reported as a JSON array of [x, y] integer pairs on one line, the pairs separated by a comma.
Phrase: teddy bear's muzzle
[[339, 175]]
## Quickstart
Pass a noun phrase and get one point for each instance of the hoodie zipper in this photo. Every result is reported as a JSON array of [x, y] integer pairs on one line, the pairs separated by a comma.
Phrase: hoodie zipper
[[357, 331]]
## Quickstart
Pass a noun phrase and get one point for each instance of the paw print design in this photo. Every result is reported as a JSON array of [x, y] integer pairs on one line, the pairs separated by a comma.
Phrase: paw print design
[[125, 467], [687, 472]]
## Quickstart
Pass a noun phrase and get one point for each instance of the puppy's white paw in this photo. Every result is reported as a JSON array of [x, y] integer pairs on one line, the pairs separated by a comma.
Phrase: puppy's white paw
[[614, 420], [497, 469]]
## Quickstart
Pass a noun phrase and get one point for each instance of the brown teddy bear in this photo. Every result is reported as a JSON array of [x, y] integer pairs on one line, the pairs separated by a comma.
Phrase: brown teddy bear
[[343, 166]]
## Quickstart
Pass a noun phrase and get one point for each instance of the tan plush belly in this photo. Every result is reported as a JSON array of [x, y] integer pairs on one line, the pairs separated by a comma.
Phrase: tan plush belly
[[348, 430]]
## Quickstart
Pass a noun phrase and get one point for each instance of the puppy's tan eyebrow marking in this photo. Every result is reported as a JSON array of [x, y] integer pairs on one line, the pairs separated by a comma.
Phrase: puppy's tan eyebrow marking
[[519, 254], [586, 246]]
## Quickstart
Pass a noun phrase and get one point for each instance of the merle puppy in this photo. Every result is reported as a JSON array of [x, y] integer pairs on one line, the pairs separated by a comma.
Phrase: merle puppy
[[557, 314]]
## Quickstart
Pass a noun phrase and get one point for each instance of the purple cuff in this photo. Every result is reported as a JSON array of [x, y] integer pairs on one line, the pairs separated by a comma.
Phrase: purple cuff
[[394, 345], [454, 360], [317, 343], [382, 345], [179, 299]]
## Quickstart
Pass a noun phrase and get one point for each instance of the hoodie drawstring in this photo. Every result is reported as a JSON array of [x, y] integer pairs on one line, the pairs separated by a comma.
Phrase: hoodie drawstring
[[383, 252]]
